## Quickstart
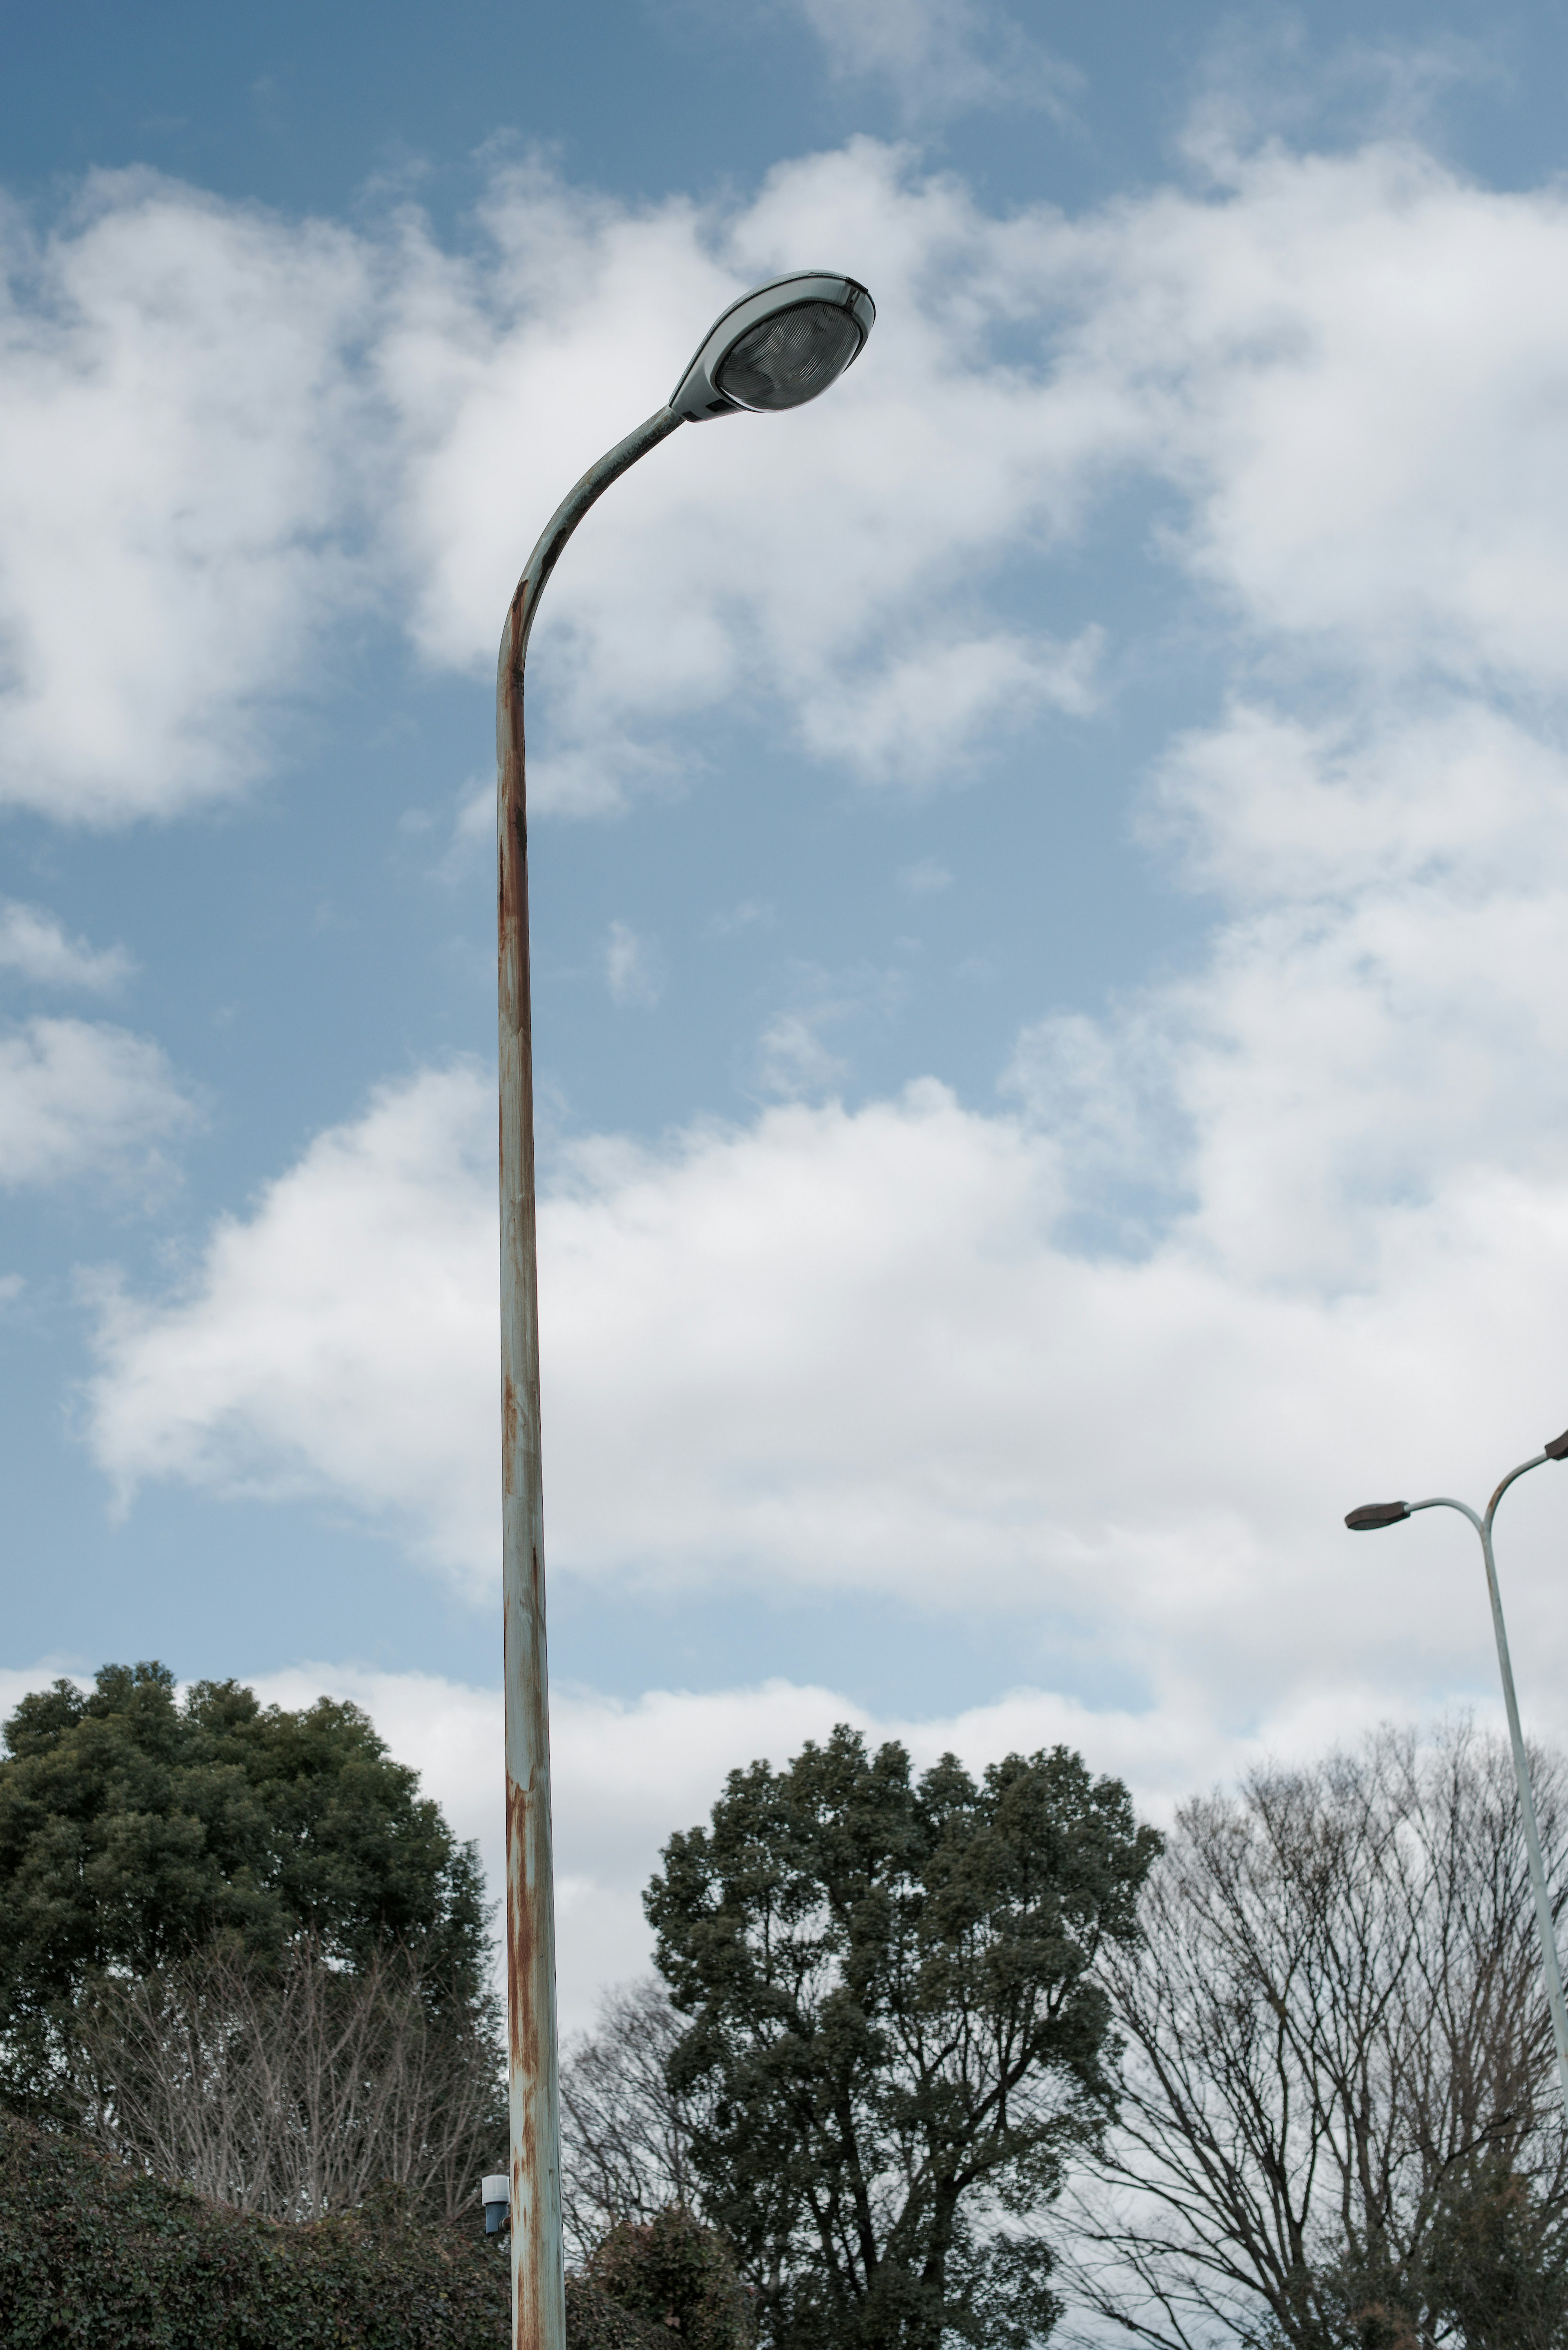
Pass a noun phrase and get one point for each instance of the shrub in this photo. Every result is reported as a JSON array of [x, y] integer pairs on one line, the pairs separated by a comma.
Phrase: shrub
[[678, 2275], [91, 2252], [594, 2322]]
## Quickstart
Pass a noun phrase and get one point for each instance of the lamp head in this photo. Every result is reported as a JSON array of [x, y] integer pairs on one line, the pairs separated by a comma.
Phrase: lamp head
[[778, 347], [1558, 1448], [1376, 1513]]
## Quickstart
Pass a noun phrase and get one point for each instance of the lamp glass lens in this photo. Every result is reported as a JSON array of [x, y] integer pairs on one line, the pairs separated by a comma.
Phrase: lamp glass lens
[[790, 357]]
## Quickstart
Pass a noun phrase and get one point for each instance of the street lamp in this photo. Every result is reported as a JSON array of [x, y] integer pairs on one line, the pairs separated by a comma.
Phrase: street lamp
[[1373, 1515], [774, 349]]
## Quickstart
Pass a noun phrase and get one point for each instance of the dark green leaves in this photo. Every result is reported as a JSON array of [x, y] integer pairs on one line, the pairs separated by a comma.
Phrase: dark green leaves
[[91, 2253], [133, 1828], [894, 2035]]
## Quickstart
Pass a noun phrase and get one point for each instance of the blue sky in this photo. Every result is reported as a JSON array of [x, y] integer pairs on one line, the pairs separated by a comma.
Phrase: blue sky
[[1048, 903]]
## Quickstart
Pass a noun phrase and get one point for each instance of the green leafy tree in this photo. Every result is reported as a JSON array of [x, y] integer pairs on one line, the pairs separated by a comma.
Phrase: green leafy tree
[[895, 2037], [135, 1828], [677, 2274]]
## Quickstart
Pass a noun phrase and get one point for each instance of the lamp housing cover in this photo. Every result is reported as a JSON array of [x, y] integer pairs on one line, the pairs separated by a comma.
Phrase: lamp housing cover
[[794, 346], [1376, 1513]]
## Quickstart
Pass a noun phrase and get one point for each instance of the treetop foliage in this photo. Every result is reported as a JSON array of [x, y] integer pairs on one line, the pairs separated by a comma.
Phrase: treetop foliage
[[134, 1828]]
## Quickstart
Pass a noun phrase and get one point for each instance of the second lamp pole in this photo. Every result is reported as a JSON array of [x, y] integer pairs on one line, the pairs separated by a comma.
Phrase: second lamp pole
[[1372, 1514], [776, 347]]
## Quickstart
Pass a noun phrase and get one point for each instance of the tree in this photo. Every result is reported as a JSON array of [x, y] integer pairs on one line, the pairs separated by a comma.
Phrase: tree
[[1338, 2122], [134, 1828], [294, 2089], [625, 2134], [895, 2035], [678, 2275]]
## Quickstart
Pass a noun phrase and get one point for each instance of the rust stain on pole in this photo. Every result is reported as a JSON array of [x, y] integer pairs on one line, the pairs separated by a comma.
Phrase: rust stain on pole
[[538, 2285]]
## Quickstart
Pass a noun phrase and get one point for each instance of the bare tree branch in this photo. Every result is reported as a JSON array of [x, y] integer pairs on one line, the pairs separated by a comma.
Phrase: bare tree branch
[[625, 2132], [291, 2092], [1337, 2001]]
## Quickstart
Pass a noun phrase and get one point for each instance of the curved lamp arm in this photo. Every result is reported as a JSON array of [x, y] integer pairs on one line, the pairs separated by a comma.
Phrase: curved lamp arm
[[559, 528]]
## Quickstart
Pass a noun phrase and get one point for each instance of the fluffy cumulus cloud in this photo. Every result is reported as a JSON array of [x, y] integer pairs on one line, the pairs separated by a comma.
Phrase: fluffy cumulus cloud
[[222, 429], [223, 432], [1344, 364], [1285, 1230], [1339, 364], [1335, 365], [178, 430], [828, 603], [272, 1375], [873, 1349], [79, 1097], [625, 1775]]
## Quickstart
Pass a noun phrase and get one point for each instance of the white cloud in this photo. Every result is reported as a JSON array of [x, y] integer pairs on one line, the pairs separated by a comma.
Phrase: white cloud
[[77, 1097], [915, 722], [178, 407], [1339, 365], [33, 943], [925, 877], [224, 432], [326, 1340], [665, 607], [626, 1776], [863, 1349], [632, 967], [940, 58], [1343, 363], [792, 1057]]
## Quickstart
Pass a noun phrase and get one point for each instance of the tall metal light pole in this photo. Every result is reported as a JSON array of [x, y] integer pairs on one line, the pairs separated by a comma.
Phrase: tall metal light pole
[[777, 347], [1389, 1513]]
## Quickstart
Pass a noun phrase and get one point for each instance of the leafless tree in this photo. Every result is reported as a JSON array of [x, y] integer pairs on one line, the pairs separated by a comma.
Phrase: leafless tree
[[625, 2134], [291, 2092], [1335, 2024]]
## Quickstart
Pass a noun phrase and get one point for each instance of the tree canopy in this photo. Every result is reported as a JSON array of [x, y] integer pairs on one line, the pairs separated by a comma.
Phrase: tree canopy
[[136, 1826], [894, 2034]]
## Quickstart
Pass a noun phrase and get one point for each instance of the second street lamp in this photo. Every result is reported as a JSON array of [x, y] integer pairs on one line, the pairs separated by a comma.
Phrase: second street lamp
[[1373, 1515], [776, 347]]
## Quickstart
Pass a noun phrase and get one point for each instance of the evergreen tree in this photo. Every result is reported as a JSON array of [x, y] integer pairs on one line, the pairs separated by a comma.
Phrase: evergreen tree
[[135, 1828], [895, 2036]]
